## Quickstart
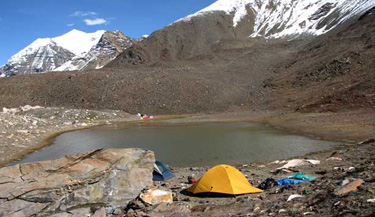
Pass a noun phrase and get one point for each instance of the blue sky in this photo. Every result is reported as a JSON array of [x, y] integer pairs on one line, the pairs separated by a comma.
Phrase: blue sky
[[23, 21]]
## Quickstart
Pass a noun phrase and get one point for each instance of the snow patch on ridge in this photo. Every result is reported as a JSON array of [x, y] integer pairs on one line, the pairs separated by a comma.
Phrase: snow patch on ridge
[[32, 48], [78, 42], [75, 41], [279, 18]]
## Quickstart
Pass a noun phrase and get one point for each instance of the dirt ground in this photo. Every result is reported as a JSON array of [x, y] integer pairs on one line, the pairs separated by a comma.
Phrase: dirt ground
[[319, 197], [27, 129]]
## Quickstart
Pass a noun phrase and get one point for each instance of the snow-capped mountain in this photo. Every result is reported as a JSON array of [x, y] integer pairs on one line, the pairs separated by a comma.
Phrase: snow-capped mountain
[[279, 18], [110, 45], [226, 21], [75, 50]]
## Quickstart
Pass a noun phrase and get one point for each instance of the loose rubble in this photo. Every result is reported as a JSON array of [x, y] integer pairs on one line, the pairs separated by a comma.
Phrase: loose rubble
[[344, 184], [334, 192]]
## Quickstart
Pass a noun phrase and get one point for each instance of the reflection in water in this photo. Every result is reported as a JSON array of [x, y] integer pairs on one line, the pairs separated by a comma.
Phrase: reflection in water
[[189, 145]]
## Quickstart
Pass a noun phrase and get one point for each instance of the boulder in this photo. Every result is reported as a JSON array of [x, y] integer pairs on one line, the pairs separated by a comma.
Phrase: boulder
[[352, 186], [98, 178], [154, 196]]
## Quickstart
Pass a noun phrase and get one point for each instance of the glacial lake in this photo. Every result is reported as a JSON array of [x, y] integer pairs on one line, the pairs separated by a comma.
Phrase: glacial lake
[[196, 144]]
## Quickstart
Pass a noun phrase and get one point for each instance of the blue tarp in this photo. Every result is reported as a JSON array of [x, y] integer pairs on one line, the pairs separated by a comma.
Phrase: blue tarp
[[289, 182], [161, 172]]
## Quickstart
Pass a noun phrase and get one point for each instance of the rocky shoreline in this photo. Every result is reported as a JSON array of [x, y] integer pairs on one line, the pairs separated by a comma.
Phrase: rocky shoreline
[[24, 128], [27, 129]]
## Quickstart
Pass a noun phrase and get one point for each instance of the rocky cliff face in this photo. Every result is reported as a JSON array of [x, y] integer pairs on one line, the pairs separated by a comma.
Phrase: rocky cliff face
[[74, 50], [241, 19], [110, 45], [100, 178], [41, 56]]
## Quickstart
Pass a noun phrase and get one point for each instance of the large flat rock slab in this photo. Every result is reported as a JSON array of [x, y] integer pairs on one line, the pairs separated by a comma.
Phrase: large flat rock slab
[[98, 178]]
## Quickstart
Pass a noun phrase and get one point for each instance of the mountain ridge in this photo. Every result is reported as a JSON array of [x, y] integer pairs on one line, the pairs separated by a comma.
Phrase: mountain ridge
[[299, 16], [225, 20], [74, 50]]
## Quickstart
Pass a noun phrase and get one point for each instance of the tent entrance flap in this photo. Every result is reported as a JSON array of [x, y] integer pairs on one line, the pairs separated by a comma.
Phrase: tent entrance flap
[[161, 172]]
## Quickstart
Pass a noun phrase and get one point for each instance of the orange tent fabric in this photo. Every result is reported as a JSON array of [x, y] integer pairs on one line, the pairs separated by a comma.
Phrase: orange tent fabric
[[223, 179]]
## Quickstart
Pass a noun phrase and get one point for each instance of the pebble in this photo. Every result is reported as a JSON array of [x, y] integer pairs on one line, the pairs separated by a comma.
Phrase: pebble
[[257, 209], [117, 211], [371, 201], [108, 210], [294, 196], [282, 211]]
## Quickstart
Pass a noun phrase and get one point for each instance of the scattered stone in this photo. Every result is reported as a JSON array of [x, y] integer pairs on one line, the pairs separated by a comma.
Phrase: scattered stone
[[100, 213], [257, 209], [294, 196], [282, 211], [154, 196], [352, 186], [371, 201], [347, 181], [308, 213], [334, 159]]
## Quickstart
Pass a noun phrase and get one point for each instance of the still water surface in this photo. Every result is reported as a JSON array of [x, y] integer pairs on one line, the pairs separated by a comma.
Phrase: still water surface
[[188, 144]]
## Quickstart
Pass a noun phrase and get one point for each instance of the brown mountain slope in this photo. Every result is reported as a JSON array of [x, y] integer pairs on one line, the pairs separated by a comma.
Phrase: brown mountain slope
[[334, 72], [186, 39], [231, 77]]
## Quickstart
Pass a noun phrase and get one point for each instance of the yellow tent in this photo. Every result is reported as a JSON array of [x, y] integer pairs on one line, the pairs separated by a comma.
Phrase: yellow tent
[[223, 179]]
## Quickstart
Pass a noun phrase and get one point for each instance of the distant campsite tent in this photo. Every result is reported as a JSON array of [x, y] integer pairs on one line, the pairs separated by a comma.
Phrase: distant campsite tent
[[161, 172], [223, 179]]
